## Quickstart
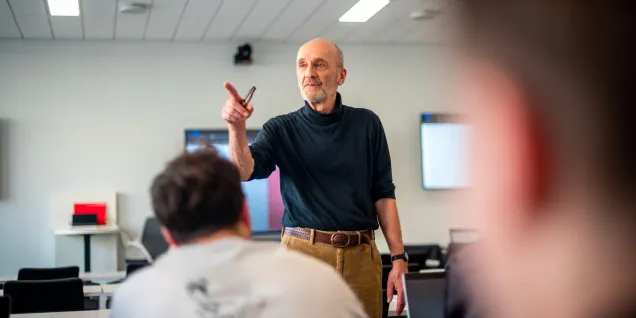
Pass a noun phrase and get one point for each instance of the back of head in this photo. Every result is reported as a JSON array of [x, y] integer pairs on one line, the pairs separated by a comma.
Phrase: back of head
[[196, 195], [575, 61]]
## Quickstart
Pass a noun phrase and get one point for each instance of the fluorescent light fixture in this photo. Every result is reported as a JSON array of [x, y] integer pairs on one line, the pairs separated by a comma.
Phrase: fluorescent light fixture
[[363, 10], [64, 8]]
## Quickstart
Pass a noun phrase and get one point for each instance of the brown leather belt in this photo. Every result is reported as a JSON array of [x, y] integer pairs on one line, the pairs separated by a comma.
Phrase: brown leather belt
[[337, 239]]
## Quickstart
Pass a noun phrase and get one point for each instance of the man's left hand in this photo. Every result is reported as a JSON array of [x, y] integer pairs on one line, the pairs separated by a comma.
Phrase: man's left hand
[[395, 284]]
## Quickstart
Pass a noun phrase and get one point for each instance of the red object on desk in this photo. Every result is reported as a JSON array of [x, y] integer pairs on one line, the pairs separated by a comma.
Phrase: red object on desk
[[92, 208]]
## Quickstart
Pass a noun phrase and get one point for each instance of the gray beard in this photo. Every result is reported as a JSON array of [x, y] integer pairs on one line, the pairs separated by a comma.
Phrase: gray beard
[[317, 98]]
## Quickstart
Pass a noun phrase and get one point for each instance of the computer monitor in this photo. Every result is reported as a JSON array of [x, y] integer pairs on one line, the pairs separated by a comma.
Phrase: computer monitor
[[444, 139], [425, 294], [263, 196]]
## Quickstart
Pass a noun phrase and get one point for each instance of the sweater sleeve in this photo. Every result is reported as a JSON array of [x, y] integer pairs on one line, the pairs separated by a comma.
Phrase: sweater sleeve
[[382, 186], [262, 150]]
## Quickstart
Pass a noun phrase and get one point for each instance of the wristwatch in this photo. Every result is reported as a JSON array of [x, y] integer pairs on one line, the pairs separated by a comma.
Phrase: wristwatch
[[399, 256]]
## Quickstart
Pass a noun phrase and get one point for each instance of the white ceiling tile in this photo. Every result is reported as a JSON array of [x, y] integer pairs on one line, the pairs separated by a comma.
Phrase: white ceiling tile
[[32, 18], [323, 18], [164, 18], [99, 19], [394, 31], [293, 17], [338, 30], [196, 18], [67, 27], [425, 32], [131, 26], [263, 15], [229, 18], [8, 28]]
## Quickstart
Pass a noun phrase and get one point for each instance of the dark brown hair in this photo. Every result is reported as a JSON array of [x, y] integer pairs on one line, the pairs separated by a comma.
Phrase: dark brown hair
[[197, 194], [575, 60]]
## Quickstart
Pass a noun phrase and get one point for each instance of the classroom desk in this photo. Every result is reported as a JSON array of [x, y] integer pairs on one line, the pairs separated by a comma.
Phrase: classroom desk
[[67, 314], [87, 231], [92, 276]]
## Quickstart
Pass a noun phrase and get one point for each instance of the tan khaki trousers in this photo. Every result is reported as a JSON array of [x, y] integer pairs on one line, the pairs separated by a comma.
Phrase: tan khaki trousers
[[360, 266]]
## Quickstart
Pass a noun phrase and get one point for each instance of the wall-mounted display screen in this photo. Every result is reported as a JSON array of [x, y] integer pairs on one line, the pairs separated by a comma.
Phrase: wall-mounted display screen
[[444, 152], [263, 196]]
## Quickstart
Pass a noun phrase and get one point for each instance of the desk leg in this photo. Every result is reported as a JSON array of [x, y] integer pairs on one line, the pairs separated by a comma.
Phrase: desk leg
[[87, 253]]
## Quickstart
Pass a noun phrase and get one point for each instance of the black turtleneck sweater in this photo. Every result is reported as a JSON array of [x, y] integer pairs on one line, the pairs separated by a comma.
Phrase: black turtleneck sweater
[[333, 167]]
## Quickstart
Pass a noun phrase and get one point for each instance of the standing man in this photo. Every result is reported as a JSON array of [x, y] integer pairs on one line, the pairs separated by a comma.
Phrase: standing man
[[335, 172]]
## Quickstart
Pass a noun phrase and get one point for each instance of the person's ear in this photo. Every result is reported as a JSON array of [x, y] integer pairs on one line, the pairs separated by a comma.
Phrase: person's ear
[[511, 154], [168, 237], [342, 76]]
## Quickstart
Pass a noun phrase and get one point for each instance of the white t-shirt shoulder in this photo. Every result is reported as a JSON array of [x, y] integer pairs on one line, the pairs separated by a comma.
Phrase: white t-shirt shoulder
[[236, 278]]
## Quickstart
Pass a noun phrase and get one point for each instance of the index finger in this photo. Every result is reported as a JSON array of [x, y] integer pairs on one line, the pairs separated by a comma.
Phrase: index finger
[[232, 91], [401, 303]]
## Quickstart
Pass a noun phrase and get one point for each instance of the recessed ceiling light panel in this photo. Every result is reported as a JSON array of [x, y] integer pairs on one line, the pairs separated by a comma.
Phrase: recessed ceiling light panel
[[363, 10], [64, 8]]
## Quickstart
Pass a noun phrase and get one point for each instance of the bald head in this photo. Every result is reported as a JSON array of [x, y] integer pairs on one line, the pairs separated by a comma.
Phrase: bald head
[[320, 70], [326, 46]]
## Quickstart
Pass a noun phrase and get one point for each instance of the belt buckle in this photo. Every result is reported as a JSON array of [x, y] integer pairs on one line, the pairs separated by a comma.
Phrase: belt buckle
[[340, 233]]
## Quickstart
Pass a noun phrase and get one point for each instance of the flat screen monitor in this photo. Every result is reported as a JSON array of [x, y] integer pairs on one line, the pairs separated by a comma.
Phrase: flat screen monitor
[[444, 152], [263, 196]]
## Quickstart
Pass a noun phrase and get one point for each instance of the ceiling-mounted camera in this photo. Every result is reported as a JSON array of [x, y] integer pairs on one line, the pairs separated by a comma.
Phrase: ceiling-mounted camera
[[243, 54]]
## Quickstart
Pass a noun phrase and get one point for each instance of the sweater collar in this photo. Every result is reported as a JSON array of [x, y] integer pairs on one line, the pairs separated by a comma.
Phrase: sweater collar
[[320, 118]]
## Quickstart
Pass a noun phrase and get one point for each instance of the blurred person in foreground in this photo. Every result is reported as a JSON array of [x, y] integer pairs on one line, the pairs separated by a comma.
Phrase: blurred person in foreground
[[212, 269], [549, 85]]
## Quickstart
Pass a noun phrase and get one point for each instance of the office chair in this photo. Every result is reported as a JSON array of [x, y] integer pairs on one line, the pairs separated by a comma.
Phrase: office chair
[[151, 242], [48, 273], [37, 296], [152, 239], [5, 307]]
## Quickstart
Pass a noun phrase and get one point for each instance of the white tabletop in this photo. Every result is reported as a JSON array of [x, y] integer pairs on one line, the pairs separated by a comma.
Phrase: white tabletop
[[92, 276], [87, 229], [67, 314], [392, 306]]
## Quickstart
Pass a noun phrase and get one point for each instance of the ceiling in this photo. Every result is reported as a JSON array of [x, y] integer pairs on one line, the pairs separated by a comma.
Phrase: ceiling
[[221, 21]]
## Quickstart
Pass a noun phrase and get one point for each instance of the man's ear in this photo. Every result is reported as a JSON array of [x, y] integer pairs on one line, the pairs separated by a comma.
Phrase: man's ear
[[245, 216], [342, 77], [168, 237]]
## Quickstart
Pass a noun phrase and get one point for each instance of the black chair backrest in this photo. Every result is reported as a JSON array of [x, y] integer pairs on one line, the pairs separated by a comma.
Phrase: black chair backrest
[[134, 266], [48, 273], [37, 296], [5, 307], [428, 256], [152, 239], [425, 294]]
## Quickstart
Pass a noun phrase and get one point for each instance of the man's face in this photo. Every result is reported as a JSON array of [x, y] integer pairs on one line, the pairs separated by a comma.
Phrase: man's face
[[318, 72]]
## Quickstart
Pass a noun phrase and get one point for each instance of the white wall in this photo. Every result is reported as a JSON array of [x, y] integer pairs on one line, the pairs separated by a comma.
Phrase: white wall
[[109, 115]]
